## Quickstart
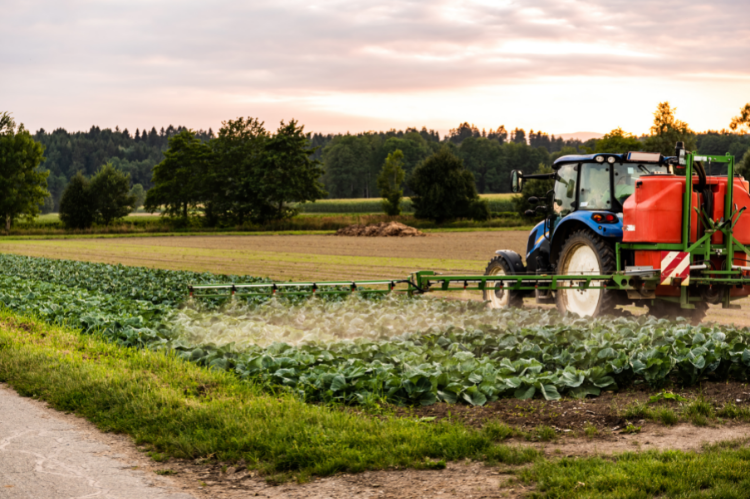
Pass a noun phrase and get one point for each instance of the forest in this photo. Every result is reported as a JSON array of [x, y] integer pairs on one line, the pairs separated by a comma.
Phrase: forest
[[352, 162]]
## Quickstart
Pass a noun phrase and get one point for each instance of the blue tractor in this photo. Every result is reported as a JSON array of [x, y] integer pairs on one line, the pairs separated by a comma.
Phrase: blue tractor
[[584, 213]]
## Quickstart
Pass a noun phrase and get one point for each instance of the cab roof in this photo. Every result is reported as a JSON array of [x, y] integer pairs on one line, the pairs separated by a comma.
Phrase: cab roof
[[591, 158]]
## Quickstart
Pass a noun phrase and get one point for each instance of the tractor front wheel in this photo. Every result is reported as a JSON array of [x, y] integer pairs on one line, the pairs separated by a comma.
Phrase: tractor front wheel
[[585, 253], [498, 296]]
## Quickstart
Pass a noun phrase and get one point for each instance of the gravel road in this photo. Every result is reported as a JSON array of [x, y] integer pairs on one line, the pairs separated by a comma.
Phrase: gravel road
[[48, 455]]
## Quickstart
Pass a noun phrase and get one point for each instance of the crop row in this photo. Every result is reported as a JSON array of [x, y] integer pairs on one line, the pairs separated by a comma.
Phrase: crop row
[[384, 351]]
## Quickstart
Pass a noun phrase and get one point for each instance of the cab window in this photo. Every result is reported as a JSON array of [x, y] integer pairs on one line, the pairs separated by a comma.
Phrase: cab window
[[626, 175], [565, 189], [595, 193]]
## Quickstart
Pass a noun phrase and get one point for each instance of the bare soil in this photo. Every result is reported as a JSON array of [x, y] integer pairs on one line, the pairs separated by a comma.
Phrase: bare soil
[[572, 415]]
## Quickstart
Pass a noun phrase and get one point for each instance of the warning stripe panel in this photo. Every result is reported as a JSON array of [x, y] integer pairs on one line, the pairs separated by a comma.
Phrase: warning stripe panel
[[675, 264]]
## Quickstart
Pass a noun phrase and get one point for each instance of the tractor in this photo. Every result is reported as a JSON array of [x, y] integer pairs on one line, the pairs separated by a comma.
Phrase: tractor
[[610, 213], [638, 228]]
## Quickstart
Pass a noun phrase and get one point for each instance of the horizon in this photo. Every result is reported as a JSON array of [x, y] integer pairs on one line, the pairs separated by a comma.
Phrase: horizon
[[355, 66]]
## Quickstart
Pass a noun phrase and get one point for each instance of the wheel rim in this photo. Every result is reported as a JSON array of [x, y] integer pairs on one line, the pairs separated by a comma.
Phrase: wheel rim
[[581, 260], [498, 298]]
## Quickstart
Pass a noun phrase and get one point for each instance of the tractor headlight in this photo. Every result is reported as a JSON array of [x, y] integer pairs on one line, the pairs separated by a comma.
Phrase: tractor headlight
[[611, 160], [599, 159]]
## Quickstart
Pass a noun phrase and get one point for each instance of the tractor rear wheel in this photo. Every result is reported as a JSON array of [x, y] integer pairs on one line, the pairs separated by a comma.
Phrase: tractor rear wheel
[[585, 253], [497, 296]]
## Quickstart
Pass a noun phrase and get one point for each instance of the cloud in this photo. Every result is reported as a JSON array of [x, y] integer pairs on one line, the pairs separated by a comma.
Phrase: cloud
[[136, 56]]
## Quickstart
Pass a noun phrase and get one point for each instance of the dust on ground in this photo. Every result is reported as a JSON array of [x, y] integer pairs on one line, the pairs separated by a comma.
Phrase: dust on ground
[[383, 229]]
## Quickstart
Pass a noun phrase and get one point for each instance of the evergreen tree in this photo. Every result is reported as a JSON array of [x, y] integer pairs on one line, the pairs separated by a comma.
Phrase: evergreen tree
[[518, 136]]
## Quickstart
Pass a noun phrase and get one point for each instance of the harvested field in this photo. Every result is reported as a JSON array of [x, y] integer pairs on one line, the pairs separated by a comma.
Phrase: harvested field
[[287, 257]]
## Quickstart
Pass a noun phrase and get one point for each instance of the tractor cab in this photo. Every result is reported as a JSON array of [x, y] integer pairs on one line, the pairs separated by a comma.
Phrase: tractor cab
[[589, 193]]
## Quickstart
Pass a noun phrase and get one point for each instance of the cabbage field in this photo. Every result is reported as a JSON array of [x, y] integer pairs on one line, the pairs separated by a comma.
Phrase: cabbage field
[[358, 351]]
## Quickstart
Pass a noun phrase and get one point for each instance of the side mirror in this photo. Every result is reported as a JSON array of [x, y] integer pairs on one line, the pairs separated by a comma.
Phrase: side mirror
[[533, 200], [516, 181]]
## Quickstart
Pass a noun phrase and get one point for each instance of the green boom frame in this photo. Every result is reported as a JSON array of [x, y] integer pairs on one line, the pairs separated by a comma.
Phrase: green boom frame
[[636, 281]]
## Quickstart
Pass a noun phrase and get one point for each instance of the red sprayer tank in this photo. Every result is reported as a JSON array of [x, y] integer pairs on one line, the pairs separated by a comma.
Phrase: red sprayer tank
[[653, 214]]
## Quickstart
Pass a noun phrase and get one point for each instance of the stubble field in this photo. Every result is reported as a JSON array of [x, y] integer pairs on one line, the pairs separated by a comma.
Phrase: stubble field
[[316, 257]]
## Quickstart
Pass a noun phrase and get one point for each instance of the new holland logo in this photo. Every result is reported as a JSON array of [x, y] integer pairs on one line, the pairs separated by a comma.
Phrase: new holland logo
[[675, 264]]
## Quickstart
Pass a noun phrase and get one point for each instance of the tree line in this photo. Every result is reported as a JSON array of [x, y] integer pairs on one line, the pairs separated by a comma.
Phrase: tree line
[[66, 154], [247, 174]]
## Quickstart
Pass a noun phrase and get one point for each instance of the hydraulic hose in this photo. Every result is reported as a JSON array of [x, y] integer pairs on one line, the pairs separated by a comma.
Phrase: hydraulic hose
[[704, 189]]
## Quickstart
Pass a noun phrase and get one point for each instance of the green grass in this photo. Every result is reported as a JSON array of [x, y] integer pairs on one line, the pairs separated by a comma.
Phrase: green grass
[[49, 225], [721, 471], [178, 409], [497, 203]]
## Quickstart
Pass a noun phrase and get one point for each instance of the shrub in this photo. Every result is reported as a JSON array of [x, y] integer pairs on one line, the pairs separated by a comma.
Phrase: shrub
[[444, 190], [77, 206]]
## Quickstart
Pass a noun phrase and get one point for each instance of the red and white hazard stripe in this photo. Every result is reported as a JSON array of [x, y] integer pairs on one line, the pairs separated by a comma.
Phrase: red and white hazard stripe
[[675, 264]]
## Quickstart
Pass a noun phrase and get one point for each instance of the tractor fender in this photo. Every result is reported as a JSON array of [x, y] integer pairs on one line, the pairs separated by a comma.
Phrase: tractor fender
[[513, 259], [582, 220]]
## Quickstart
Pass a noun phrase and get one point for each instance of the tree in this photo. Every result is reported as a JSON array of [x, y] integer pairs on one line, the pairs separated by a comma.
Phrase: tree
[[285, 174], [389, 182], [619, 141], [348, 161], [486, 159], [444, 189], [23, 187], [140, 195], [743, 166], [667, 131], [743, 120], [518, 136], [78, 205], [179, 180], [111, 190], [230, 185]]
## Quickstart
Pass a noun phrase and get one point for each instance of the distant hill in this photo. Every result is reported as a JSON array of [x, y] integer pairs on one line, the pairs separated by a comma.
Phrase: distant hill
[[582, 136]]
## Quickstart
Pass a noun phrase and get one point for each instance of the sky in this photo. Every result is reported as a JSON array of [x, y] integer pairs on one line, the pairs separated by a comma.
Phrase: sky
[[559, 66]]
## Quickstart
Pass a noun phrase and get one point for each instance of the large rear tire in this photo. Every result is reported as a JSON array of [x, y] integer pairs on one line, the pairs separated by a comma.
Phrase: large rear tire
[[585, 253], [500, 297]]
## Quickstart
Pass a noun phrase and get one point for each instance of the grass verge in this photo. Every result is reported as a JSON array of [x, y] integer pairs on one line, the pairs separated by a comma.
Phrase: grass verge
[[178, 409], [719, 471]]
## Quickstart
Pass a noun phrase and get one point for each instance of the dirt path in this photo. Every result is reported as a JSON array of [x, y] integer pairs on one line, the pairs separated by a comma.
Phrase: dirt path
[[47, 455]]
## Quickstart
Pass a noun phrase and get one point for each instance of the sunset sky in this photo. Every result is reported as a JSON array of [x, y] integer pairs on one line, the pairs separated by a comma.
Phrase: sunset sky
[[559, 66]]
